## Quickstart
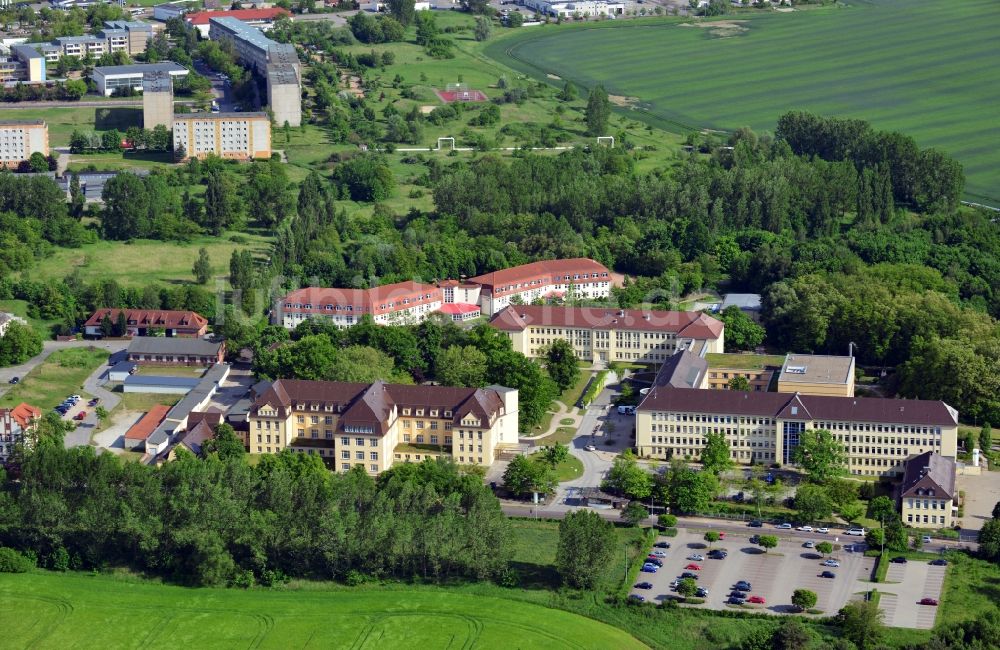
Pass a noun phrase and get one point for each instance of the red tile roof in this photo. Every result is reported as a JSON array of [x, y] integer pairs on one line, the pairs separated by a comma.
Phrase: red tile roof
[[151, 318], [547, 271], [25, 413], [202, 17], [459, 308], [807, 407], [361, 301], [687, 324], [148, 423]]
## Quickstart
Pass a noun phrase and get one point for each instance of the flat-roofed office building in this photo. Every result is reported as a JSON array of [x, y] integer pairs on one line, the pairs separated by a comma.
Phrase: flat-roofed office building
[[817, 374]]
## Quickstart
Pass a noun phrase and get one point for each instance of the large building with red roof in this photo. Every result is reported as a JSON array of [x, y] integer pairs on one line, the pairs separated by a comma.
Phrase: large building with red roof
[[604, 334], [146, 322], [260, 18], [14, 423], [402, 303], [578, 277], [878, 435]]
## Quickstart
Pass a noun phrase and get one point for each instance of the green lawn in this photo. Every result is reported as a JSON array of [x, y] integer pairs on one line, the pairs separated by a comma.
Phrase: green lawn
[[143, 262], [20, 308], [85, 117], [971, 587], [59, 376], [145, 401], [44, 610], [923, 67], [744, 361], [568, 470]]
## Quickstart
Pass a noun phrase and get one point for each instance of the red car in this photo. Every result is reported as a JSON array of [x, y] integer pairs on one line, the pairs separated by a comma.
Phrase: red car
[[80, 415], [722, 535], [928, 601], [756, 599], [693, 567]]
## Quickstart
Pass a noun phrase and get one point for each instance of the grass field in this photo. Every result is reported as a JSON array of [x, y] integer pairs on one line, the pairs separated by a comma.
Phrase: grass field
[[60, 611], [85, 117], [62, 374], [747, 361], [923, 67]]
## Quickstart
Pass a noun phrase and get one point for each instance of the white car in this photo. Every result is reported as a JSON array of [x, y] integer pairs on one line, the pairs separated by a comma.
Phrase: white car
[[805, 529], [926, 539], [856, 532], [823, 530], [590, 448], [784, 526], [697, 557], [659, 554], [831, 563]]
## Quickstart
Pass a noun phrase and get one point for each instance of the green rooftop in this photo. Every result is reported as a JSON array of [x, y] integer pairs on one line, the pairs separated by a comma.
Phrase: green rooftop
[[745, 361]]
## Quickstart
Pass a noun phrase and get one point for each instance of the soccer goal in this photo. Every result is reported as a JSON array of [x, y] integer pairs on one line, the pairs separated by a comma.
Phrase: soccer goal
[[441, 141], [606, 140], [458, 88]]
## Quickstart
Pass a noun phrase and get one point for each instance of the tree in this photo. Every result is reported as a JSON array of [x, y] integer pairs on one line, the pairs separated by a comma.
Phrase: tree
[[102, 414], [826, 548], [986, 437], [523, 476], [427, 28], [126, 208], [792, 635], [804, 599], [970, 441], [483, 28], [989, 540], [401, 10], [77, 200], [568, 93], [20, 343], [767, 542], [74, 89], [667, 520], [996, 510], [861, 623], [821, 455], [586, 546], [598, 111], [635, 513], [896, 537], [688, 491], [852, 511], [562, 364], [107, 327], [812, 503], [715, 457], [555, 454], [882, 508], [742, 333], [628, 478], [712, 537], [687, 587], [202, 268], [875, 538], [222, 207], [38, 163], [739, 382], [225, 443]]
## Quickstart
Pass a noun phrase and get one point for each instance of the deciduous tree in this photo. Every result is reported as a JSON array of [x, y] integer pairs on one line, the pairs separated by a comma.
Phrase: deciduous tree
[[804, 599], [861, 623], [202, 268], [715, 457], [586, 546], [821, 455], [562, 364], [598, 111]]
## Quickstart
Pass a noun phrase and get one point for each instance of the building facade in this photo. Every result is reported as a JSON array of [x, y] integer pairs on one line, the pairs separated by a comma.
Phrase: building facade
[[878, 435], [24, 63], [377, 425], [928, 493], [112, 77], [161, 351], [603, 335], [143, 322], [572, 278], [402, 303], [157, 100], [21, 138], [238, 136], [261, 19]]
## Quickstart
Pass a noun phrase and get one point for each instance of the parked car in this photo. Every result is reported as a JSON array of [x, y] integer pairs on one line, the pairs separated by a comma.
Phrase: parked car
[[898, 560], [80, 415], [926, 539], [830, 562], [805, 529], [756, 523], [722, 534], [637, 597], [696, 557], [644, 585], [649, 568], [823, 529], [733, 600], [93, 402], [76, 397], [15, 380], [742, 585], [785, 526], [828, 574], [661, 545], [693, 567], [658, 554], [718, 554], [759, 600], [809, 544], [701, 593], [654, 561], [688, 574], [939, 562], [754, 539], [927, 601], [590, 448], [856, 532]]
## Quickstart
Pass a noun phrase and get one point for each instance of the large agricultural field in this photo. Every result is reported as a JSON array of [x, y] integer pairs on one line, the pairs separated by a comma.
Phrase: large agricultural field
[[923, 67], [60, 611]]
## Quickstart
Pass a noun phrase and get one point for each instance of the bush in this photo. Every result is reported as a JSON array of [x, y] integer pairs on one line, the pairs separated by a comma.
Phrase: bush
[[668, 521], [13, 562]]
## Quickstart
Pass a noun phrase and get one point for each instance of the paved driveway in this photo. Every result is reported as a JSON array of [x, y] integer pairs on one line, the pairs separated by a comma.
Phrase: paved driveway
[[981, 494]]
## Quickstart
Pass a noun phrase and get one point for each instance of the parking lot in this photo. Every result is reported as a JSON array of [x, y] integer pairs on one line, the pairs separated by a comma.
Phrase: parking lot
[[775, 575]]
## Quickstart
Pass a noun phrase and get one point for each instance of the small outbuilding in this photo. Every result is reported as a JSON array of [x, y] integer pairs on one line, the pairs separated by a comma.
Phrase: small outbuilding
[[121, 371], [154, 384]]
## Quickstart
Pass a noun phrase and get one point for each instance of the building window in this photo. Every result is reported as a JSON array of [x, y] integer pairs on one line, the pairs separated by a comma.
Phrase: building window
[[374, 467], [359, 455]]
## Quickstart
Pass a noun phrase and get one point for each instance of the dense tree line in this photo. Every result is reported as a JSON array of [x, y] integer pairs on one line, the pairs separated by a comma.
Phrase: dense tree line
[[214, 521]]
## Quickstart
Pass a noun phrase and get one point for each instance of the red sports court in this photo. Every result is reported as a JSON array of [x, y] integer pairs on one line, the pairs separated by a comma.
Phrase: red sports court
[[460, 93]]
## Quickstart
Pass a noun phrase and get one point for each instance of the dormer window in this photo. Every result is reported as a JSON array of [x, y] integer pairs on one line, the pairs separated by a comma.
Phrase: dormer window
[[447, 414], [420, 412], [434, 413], [406, 411]]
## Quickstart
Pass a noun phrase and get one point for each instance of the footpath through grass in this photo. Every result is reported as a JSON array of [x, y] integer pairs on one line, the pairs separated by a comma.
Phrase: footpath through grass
[[923, 67], [62, 374]]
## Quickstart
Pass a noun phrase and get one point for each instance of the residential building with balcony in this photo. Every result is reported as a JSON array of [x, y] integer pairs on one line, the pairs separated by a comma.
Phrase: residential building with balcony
[[375, 426], [603, 335], [238, 136], [878, 435]]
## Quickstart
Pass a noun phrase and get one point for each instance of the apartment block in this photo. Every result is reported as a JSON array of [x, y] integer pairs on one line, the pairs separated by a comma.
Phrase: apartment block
[[402, 303], [377, 425], [260, 19], [240, 136], [21, 138], [573, 278], [137, 34], [603, 335], [24, 63], [878, 435], [129, 36], [928, 492]]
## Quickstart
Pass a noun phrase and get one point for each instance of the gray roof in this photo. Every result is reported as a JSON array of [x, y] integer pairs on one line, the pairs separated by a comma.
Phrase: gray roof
[[26, 51], [282, 74], [4, 123], [136, 25], [244, 32], [173, 345], [156, 82], [122, 366], [924, 472], [749, 301], [817, 369], [77, 39], [182, 409], [140, 68], [155, 380], [682, 370], [217, 116]]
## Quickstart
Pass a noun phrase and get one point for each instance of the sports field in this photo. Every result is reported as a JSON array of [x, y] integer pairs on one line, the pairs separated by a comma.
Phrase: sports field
[[42, 610], [924, 67]]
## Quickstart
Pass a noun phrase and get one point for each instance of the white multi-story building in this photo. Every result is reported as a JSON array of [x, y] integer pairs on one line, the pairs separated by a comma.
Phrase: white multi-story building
[[571, 279], [402, 303], [576, 7], [21, 138], [240, 136], [111, 77]]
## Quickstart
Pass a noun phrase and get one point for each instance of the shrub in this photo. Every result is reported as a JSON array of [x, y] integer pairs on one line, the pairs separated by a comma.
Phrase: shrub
[[668, 521], [13, 562]]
